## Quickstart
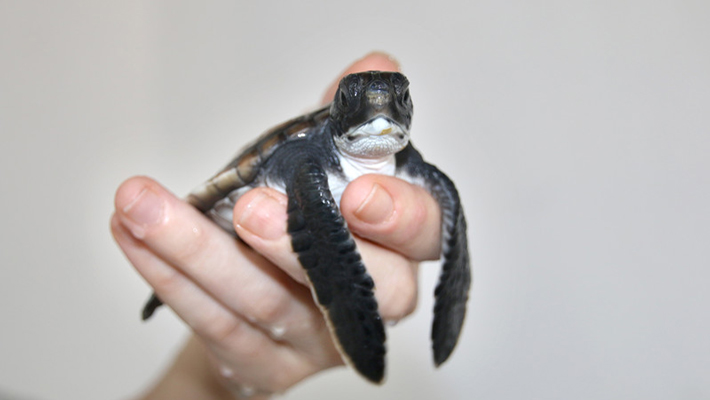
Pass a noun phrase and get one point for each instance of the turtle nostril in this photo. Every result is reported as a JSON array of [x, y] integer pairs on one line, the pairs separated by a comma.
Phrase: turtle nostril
[[378, 86]]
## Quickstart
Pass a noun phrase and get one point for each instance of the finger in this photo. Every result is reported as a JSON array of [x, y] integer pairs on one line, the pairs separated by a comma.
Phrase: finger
[[208, 317], [375, 61], [243, 347], [260, 220], [394, 214], [395, 278], [246, 283]]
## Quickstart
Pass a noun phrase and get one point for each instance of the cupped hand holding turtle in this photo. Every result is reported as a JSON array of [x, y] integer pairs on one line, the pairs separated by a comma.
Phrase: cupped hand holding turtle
[[257, 329]]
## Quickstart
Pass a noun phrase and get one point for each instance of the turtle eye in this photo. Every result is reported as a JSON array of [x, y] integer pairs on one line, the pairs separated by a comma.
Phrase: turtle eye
[[406, 99], [343, 98]]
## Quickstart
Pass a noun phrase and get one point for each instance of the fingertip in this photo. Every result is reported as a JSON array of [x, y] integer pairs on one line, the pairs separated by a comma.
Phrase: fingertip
[[375, 61], [261, 212], [368, 201], [115, 225], [121, 234], [128, 191], [140, 204], [361, 189], [260, 220], [393, 213]]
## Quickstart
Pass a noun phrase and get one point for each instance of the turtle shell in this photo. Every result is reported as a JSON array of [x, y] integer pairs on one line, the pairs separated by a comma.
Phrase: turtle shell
[[243, 170]]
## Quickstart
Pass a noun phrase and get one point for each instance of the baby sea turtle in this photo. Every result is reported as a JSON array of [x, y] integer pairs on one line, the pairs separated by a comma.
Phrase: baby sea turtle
[[311, 159]]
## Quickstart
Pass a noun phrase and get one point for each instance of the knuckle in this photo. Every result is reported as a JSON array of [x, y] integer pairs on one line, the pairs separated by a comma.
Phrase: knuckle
[[219, 329], [165, 281], [281, 379], [192, 246], [269, 309], [250, 347]]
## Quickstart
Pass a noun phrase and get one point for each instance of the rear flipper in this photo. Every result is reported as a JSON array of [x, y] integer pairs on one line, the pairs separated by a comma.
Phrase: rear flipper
[[342, 287], [150, 306]]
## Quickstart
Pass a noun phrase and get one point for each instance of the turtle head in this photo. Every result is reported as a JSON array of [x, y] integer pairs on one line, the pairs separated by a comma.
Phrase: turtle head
[[372, 112]]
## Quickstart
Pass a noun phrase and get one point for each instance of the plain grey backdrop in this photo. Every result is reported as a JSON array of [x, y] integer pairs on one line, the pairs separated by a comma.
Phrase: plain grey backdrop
[[577, 132]]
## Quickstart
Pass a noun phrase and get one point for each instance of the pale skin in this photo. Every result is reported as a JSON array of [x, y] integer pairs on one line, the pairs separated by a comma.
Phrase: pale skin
[[256, 328]]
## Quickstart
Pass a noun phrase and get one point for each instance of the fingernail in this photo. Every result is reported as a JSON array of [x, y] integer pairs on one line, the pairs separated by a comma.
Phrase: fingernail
[[264, 217], [377, 207], [144, 211]]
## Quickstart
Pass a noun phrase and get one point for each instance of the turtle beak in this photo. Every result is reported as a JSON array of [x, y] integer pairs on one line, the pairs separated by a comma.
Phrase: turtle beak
[[379, 126]]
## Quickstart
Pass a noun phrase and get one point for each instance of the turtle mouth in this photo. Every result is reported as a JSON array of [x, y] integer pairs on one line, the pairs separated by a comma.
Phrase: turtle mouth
[[378, 126], [378, 137]]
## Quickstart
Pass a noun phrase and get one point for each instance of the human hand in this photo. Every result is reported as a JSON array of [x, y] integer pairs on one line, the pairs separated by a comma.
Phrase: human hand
[[257, 328]]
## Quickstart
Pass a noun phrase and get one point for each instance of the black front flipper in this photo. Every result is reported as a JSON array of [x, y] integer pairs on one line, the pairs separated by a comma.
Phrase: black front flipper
[[342, 287], [455, 280]]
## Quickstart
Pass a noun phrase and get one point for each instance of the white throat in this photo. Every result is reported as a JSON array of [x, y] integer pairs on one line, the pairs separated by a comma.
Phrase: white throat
[[356, 167]]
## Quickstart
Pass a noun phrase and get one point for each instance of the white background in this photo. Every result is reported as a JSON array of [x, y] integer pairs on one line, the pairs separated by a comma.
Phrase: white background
[[577, 132]]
